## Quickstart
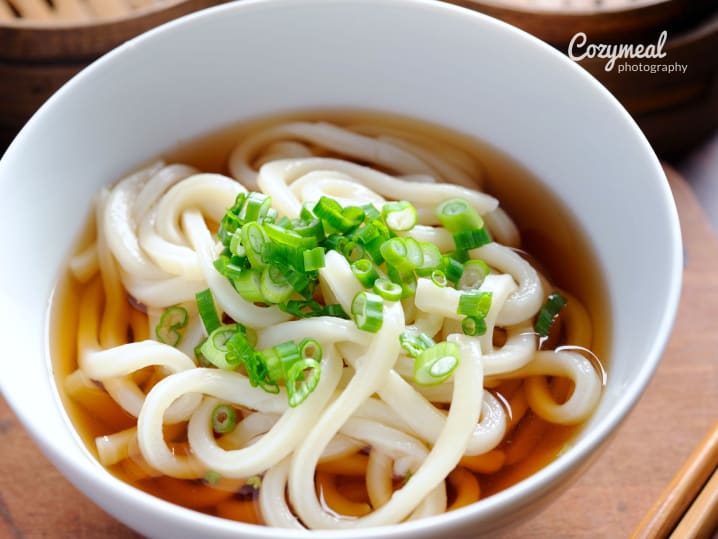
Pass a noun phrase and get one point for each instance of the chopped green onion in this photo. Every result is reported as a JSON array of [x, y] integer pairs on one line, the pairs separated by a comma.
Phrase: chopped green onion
[[207, 311], [248, 285], [255, 482], [310, 229], [368, 311], [415, 343], [212, 477], [399, 216], [475, 303], [235, 244], [396, 255], [475, 271], [314, 259], [365, 272], [414, 252], [214, 348], [274, 286], [310, 349], [256, 206], [224, 419], [307, 372], [471, 239], [336, 310], [254, 238], [434, 365], [554, 303], [280, 359], [438, 277], [387, 289], [371, 211], [286, 236], [352, 251], [457, 215], [407, 280], [452, 268], [302, 308], [172, 321], [431, 259], [334, 217], [473, 326]]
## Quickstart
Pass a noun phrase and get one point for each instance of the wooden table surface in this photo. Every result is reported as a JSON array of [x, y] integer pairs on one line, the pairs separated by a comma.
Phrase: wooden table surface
[[680, 405]]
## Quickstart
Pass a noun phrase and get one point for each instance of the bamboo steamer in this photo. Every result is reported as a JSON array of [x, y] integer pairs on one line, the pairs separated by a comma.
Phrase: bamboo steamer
[[43, 43], [675, 110]]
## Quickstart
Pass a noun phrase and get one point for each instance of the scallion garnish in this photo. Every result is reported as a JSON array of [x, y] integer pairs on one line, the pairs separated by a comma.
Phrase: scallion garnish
[[434, 365], [471, 239], [415, 343], [212, 477], [452, 268], [399, 216], [207, 310], [387, 289], [474, 303], [365, 272], [169, 329], [473, 326], [554, 303], [475, 271], [224, 419], [368, 311], [456, 214]]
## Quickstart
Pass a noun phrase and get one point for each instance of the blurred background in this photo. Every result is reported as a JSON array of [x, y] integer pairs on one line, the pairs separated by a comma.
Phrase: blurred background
[[674, 99]]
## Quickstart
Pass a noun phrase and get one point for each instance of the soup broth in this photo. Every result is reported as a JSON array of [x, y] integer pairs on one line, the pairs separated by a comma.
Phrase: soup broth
[[551, 240]]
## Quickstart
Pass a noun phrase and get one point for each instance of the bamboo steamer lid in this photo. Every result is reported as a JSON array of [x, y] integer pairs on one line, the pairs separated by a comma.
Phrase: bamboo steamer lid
[[43, 43], [676, 110]]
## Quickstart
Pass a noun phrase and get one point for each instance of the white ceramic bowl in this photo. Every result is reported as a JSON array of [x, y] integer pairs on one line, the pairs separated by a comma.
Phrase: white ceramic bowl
[[419, 59]]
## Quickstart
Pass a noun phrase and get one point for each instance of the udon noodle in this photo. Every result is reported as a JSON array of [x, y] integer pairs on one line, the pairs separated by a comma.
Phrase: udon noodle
[[369, 445]]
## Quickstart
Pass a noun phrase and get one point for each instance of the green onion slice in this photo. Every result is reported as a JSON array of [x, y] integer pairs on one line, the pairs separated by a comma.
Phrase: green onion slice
[[254, 239], [314, 259], [224, 419], [248, 285], [387, 289], [214, 349], [457, 215], [436, 364], [475, 271], [399, 216], [274, 286], [554, 303], [256, 206], [365, 272], [474, 303], [473, 326], [302, 380], [452, 268], [169, 328], [212, 477], [207, 310], [368, 311], [415, 343], [471, 239]]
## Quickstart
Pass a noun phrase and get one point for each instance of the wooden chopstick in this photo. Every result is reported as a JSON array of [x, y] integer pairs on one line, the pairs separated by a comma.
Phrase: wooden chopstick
[[701, 519], [683, 489]]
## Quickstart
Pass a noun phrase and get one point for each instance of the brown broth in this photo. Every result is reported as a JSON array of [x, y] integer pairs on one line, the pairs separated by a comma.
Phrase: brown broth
[[549, 234]]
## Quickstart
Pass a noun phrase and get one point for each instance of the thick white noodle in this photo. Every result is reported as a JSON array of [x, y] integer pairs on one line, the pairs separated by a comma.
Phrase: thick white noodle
[[106, 365], [443, 457], [567, 364], [276, 176]]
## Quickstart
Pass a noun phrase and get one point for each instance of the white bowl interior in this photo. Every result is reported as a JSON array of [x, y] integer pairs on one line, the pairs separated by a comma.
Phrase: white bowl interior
[[418, 59]]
